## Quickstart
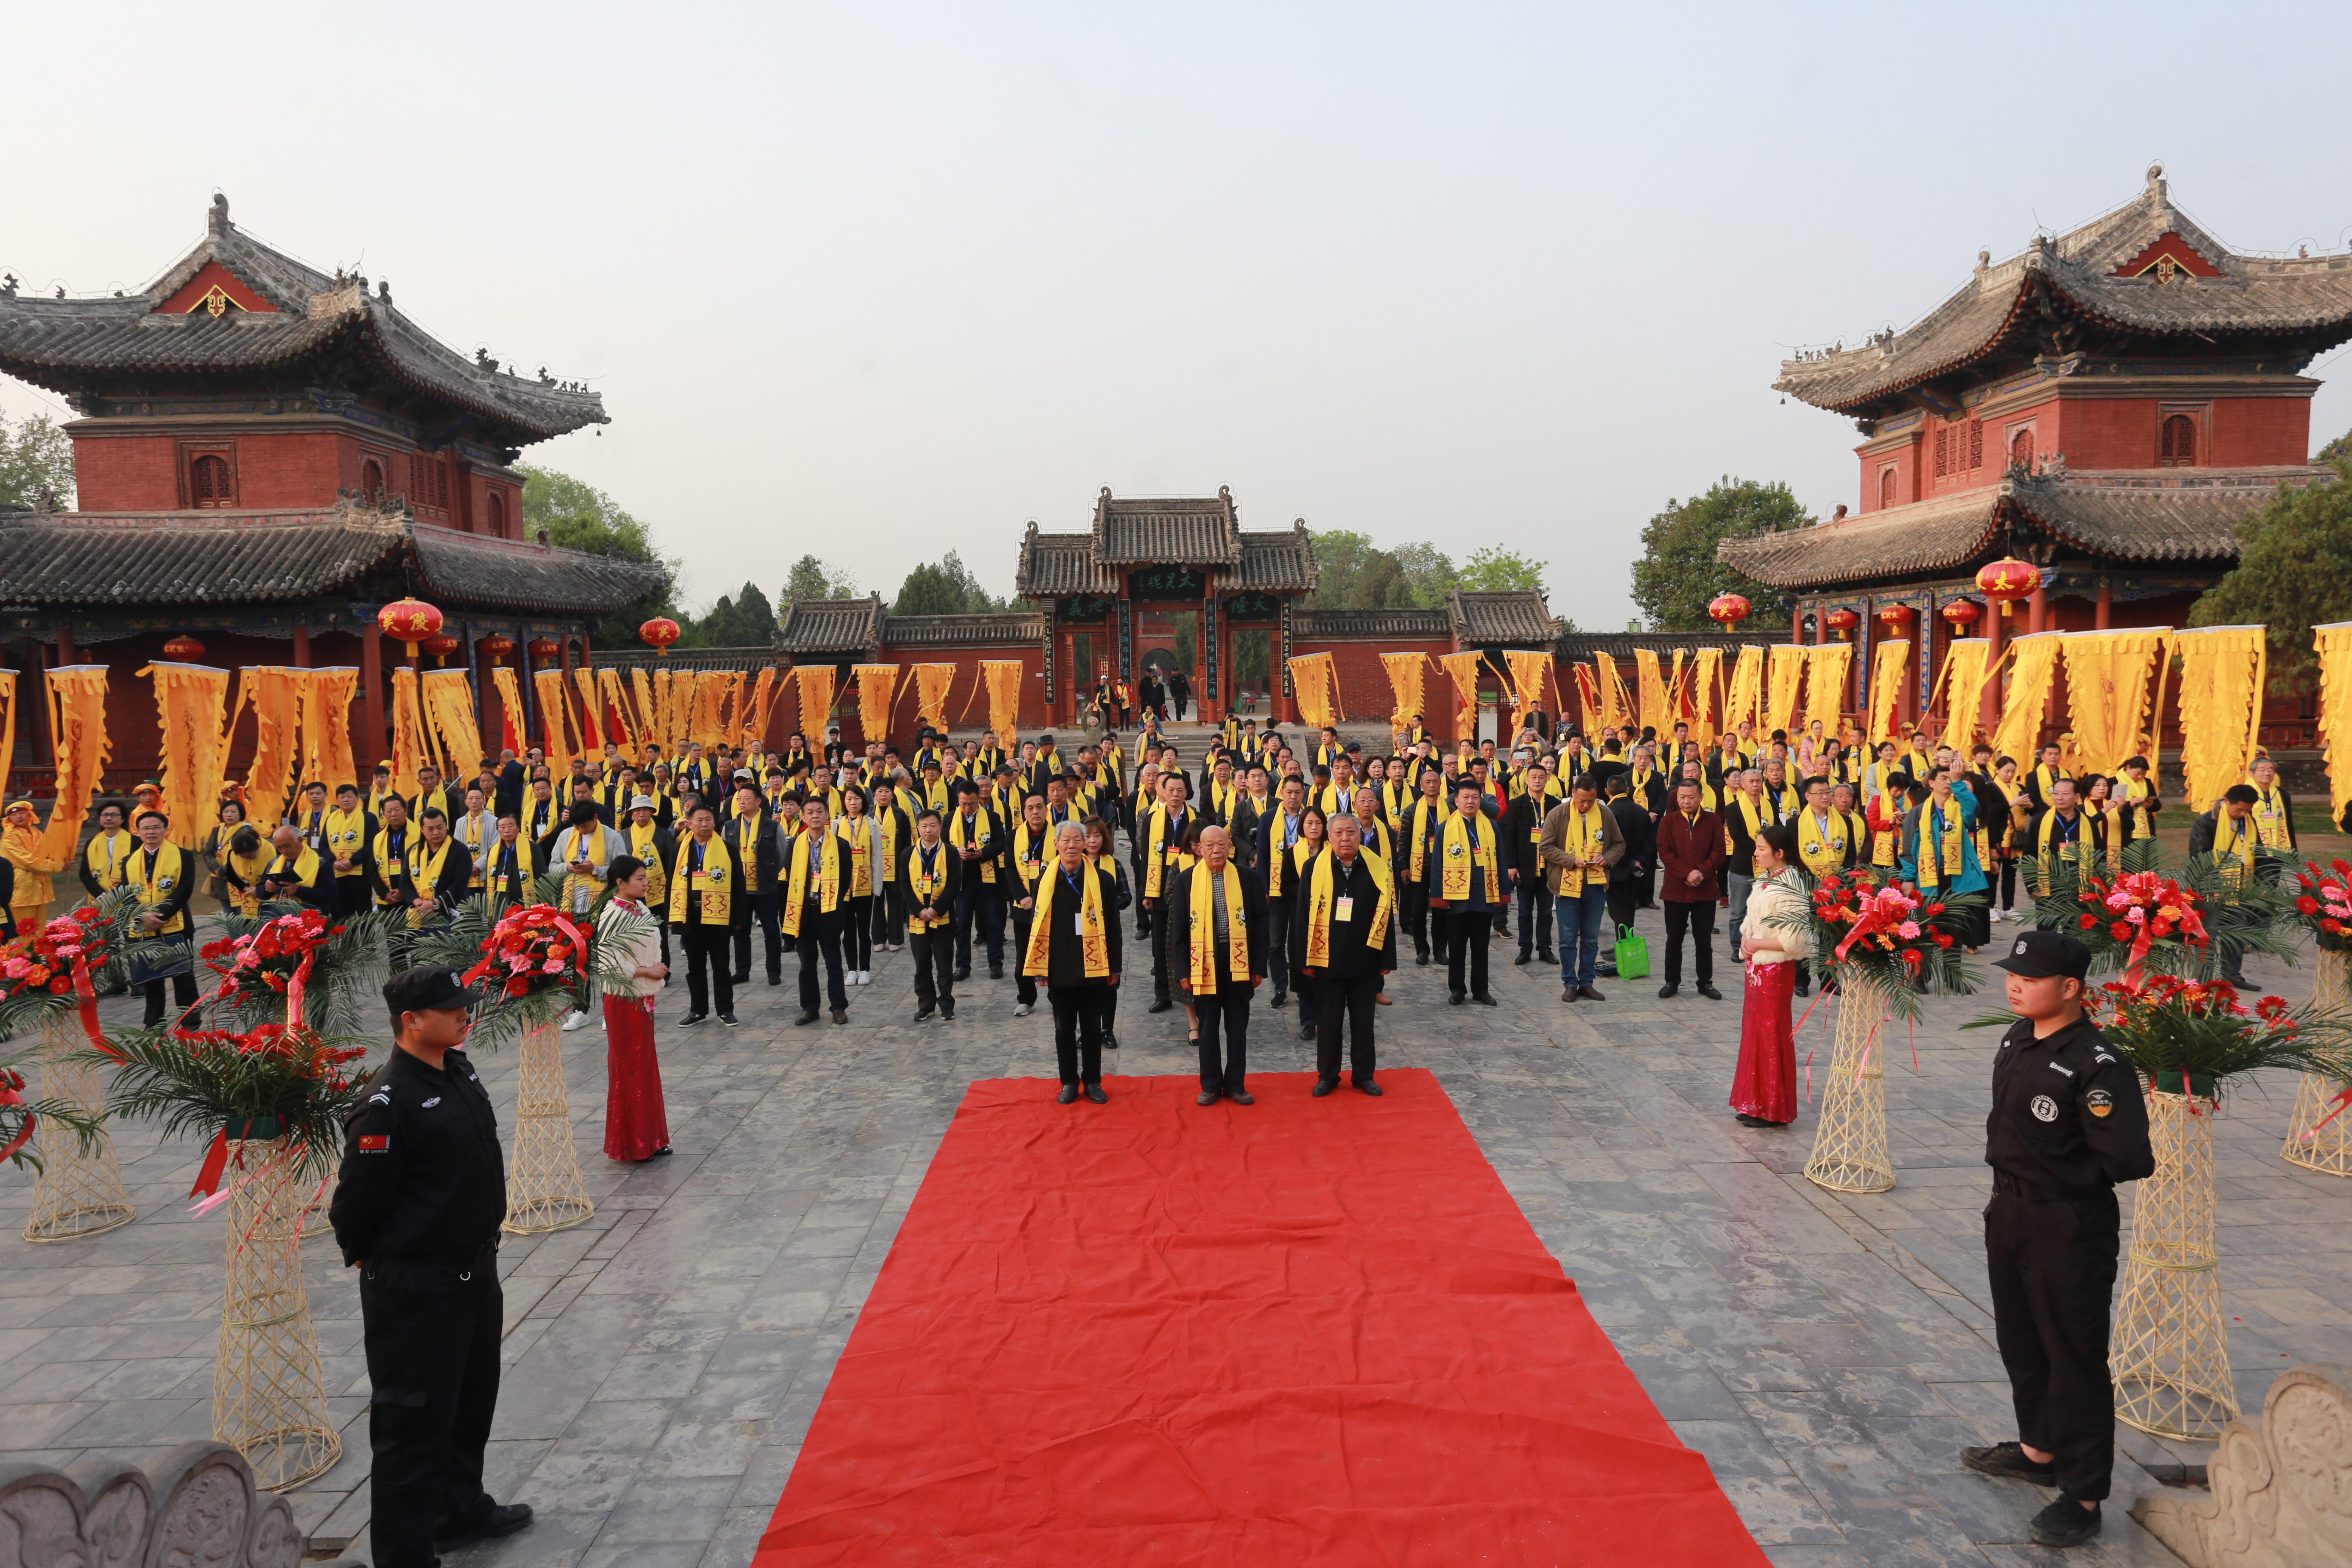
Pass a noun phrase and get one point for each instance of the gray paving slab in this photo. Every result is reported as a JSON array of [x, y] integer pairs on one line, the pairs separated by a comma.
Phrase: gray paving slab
[[1827, 1354]]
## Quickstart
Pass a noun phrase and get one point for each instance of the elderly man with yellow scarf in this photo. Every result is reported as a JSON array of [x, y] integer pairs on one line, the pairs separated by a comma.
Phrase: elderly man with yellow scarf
[[163, 876], [817, 881], [1216, 914], [1343, 936], [1073, 947], [1469, 891]]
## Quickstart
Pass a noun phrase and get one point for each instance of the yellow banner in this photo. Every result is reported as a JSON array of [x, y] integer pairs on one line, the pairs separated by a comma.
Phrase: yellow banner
[[448, 700], [1003, 678], [512, 732], [555, 726], [2033, 668], [2333, 643], [762, 709], [77, 722], [1530, 670], [412, 737], [1886, 666], [1462, 669], [1706, 707], [1746, 703], [1961, 684], [1786, 674], [2108, 678], [1826, 667], [933, 684], [8, 728], [591, 721], [2223, 671], [622, 726], [1406, 672], [190, 699], [1650, 688], [327, 756], [1616, 706], [877, 693]]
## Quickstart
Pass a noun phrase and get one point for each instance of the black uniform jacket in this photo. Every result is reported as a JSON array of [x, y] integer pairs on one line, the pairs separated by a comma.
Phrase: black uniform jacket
[[1179, 925], [422, 1180], [2067, 1118]]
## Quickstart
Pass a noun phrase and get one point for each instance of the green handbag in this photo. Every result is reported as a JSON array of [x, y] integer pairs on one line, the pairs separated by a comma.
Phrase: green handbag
[[1632, 955]]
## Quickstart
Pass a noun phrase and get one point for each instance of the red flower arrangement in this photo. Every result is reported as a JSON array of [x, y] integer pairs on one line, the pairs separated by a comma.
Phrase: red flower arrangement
[[1889, 937], [272, 962], [50, 960], [2123, 918], [2323, 903], [532, 949], [274, 1080], [2187, 1036]]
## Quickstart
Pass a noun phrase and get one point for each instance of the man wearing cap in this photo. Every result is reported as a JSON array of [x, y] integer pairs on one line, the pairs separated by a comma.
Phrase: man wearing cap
[[416, 1212], [20, 843], [2067, 1124]]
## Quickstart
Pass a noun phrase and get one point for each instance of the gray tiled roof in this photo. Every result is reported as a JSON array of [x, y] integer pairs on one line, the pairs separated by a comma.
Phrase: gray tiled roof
[[2309, 299], [1184, 531], [1360, 626], [1517, 618], [254, 557], [963, 631], [2146, 514], [1275, 563], [830, 625], [66, 344], [1056, 564]]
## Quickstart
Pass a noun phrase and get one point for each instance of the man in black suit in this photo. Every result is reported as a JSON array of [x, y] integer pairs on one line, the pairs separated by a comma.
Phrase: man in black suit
[[1523, 823], [1076, 997], [1223, 1006], [1351, 947], [751, 841]]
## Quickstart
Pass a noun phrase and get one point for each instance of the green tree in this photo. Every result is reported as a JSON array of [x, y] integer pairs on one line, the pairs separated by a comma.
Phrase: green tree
[[815, 579], [1493, 570], [946, 587], [1678, 572], [36, 465], [744, 621], [2294, 573], [579, 516], [1429, 573]]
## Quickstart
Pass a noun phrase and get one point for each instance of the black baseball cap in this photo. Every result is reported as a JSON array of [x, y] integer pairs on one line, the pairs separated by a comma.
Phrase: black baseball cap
[[427, 988], [2037, 954]]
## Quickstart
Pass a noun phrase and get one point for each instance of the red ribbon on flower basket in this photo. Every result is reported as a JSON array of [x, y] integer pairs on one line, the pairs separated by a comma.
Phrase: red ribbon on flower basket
[[12, 1087], [2342, 1102], [535, 948], [276, 958], [56, 961]]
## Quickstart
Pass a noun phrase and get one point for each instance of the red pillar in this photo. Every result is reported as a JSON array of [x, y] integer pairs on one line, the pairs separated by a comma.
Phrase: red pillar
[[2037, 607], [1797, 621], [301, 648], [66, 654], [370, 749], [2106, 603]]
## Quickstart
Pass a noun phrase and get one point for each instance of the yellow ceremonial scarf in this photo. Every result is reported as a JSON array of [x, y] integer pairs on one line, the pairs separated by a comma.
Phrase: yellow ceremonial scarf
[[2070, 849], [974, 835], [933, 793], [1416, 825], [1321, 904], [926, 877], [1092, 941], [2044, 778], [346, 834], [389, 864], [715, 885], [857, 832], [828, 883], [424, 873], [106, 855], [573, 884], [477, 834], [249, 870], [1161, 856], [2130, 793], [505, 886], [1585, 835], [1461, 848], [1882, 848], [1941, 855], [1029, 854], [1201, 970], [304, 865], [541, 818], [641, 846], [1822, 846], [2269, 817], [155, 887]]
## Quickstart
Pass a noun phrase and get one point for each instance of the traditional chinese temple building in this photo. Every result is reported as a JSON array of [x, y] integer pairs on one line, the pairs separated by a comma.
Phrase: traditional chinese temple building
[[2108, 406], [263, 457]]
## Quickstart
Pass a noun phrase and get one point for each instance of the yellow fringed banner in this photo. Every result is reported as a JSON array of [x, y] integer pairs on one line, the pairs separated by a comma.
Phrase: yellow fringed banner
[[7, 728], [512, 731], [1827, 665], [2033, 666], [621, 724], [1530, 668], [933, 682], [555, 728], [2334, 645], [448, 703], [275, 692], [77, 720], [761, 709], [709, 724], [1002, 677], [1406, 673], [2106, 692], [1310, 680], [1616, 707], [1887, 662], [1650, 688], [877, 692], [2223, 671], [649, 732], [1707, 679], [1961, 684], [592, 724], [1462, 669], [1746, 699], [327, 694], [190, 699], [412, 740], [1785, 675]]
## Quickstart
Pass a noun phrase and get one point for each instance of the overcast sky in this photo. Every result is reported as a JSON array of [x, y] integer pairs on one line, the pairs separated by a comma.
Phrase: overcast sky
[[880, 281]]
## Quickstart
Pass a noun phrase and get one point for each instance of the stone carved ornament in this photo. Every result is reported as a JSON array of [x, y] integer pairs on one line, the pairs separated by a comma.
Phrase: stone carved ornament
[[2281, 1488], [195, 1508]]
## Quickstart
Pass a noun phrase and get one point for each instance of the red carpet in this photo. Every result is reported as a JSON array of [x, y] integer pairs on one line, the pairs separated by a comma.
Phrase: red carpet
[[1308, 1331]]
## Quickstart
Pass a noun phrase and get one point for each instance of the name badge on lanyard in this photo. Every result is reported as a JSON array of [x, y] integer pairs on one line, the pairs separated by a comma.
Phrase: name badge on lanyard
[[1343, 909]]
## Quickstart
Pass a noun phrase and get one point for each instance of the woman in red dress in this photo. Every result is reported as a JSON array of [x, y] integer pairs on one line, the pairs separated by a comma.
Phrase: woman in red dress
[[636, 1127], [1764, 1088]]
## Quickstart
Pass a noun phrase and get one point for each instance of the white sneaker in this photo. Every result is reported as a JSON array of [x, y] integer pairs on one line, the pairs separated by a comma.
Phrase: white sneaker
[[1023, 1011], [575, 1021], [865, 977]]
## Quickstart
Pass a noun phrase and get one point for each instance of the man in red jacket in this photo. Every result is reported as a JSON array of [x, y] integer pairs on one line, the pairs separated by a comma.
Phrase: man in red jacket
[[1690, 855]]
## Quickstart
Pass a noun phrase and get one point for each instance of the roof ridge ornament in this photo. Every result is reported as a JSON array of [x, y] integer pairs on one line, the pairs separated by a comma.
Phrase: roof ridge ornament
[[217, 222]]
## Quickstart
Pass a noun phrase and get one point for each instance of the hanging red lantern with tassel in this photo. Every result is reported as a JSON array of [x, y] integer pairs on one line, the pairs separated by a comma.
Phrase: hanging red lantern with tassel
[[2007, 579]]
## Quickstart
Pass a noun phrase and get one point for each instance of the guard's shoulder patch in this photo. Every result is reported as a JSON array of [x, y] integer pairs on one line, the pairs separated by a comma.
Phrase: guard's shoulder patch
[[380, 1097], [373, 1143]]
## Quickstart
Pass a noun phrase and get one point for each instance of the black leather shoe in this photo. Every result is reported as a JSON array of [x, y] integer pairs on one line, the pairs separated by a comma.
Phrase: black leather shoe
[[1420, 961], [2007, 1461], [1666, 991], [1804, 988], [1522, 958], [1111, 1041], [1162, 1006], [1069, 1095], [1094, 1092], [920, 1012], [691, 1019], [729, 1019], [741, 980], [1306, 1031], [1546, 955], [1486, 1000], [1590, 994], [964, 974], [502, 1519], [1374, 1089], [1324, 1085], [840, 1015], [1240, 1096], [996, 972], [2064, 1522], [1206, 1097], [1281, 999], [772, 980], [1710, 993], [805, 1019], [1454, 998]]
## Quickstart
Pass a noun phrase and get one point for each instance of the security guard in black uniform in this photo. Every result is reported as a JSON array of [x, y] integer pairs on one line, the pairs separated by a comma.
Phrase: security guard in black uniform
[[2067, 1124], [423, 1191]]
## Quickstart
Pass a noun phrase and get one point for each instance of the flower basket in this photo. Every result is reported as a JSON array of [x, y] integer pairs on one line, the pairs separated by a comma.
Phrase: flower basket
[[49, 984], [1850, 1150], [270, 1398], [1868, 932], [2319, 1132], [2199, 923]]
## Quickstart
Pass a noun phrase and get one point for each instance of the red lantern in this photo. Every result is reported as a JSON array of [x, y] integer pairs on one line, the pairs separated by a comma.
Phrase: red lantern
[[545, 648], [660, 633], [2007, 579], [410, 620], [1842, 621], [497, 644], [1963, 613], [1892, 618], [1729, 609], [183, 649], [442, 646]]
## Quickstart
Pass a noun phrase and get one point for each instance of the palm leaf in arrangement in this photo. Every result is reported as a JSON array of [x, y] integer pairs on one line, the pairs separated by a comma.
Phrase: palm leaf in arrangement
[[25, 1013], [2243, 912], [18, 1114], [193, 1085]]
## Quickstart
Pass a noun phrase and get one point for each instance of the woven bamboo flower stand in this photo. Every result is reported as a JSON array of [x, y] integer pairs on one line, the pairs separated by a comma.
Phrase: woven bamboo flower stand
[[269, 1401], [2329, 1150], [76, 1194], [545, 1189], [2170, 1353], [1850, 1136]]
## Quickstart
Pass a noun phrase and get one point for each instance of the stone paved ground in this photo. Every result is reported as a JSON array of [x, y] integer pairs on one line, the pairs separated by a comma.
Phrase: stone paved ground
[[1828, 1355]]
